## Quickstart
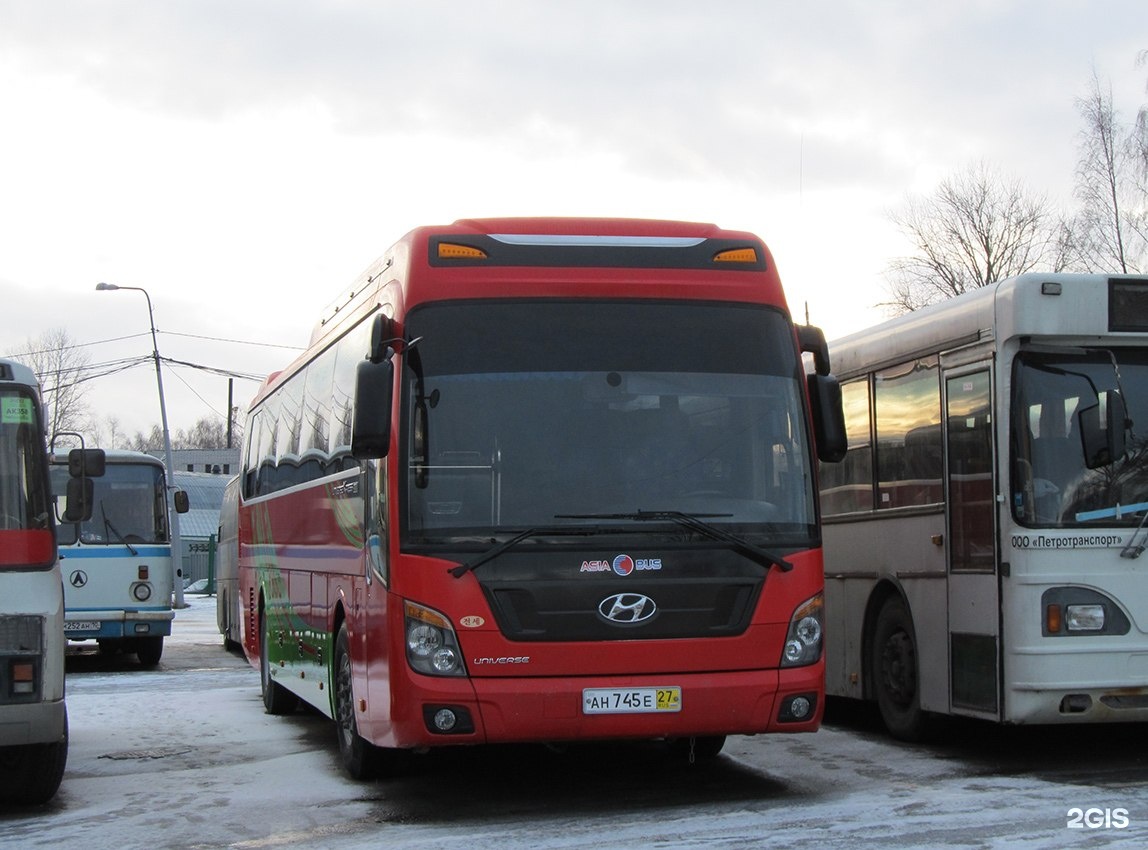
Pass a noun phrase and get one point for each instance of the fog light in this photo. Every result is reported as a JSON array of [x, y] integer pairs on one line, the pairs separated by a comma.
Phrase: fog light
[[445, 720], [797, 708], [142, 628], [1075, 704], [448, 720]]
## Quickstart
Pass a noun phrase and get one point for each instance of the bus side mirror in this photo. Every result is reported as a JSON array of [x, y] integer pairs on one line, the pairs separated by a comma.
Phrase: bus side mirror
[[1103, 444], [182, 503], [828, 418], [812, 341], [81, 495], [86, 463], [371, 425]]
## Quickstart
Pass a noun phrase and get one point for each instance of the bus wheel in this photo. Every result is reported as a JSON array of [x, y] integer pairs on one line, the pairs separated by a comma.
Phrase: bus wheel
[[149, 650], [894, 666], [358, 755], [32, 772], [276, 698]]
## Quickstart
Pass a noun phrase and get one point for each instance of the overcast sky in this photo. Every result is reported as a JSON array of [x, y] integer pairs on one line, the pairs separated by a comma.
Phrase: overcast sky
[[244, 160]]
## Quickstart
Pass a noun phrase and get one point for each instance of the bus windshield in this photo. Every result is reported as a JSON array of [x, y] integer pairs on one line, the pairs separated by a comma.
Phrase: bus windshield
[[521, 414], [1054, 392], [25, 519], [128, 506]]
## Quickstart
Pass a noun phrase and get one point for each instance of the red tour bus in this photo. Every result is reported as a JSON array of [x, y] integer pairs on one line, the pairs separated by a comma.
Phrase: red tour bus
[[544, 480]]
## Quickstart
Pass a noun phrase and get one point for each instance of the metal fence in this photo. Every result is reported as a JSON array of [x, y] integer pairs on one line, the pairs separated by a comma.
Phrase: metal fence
[[199, 560]]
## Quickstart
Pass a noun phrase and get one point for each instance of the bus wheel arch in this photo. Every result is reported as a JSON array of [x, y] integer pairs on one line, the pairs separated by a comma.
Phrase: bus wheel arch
[[359, 756], [893, 665], [276, 698]]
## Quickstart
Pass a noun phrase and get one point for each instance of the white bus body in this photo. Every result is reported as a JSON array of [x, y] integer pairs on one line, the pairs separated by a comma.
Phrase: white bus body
[[33, 716], [116, 566], [983, 536], [228, 613]]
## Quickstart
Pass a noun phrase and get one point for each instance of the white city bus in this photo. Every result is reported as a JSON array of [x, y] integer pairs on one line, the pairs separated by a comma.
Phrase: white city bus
[[33, 716], [983, 537], [116, 565], [228, 614]]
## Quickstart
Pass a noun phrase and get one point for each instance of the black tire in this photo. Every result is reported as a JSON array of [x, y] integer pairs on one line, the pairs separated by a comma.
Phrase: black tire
[[31, 774], [149, 650], [276, 698], [895, 668], [360, 758]]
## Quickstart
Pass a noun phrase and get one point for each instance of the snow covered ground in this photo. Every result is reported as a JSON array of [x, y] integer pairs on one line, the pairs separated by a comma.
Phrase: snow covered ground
[[184, 757]]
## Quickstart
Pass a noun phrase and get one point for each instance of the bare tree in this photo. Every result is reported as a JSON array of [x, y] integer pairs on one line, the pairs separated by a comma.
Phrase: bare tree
[[977, 228], [1110, 224], [151, 442], [209, 432], [115, 435], [1140, 140], [59, 363]]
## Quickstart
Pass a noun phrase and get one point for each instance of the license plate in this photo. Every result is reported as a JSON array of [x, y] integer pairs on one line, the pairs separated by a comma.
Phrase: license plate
[[82, 626], [631, 700]]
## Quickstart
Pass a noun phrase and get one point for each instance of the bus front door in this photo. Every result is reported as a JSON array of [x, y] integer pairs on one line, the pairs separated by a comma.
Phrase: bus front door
[[973, 603]]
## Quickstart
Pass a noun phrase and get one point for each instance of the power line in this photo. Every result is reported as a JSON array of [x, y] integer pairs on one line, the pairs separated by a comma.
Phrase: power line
[[76, 345], [236, 341], [85, 373]]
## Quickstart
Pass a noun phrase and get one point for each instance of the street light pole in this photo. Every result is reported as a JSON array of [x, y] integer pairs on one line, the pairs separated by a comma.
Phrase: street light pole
[[176, 549]]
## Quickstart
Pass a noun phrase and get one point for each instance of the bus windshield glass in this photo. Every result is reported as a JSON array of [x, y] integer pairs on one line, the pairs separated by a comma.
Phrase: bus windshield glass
[[521, 415], [1055, 396], [25, 520], [128, 506]]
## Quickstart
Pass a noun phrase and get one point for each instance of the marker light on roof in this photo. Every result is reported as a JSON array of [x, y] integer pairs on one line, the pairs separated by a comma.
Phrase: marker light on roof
[[454, 251], [736, 255]]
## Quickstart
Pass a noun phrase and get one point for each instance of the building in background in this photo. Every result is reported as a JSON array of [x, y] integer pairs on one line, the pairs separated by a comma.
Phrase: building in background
[[199, 527]]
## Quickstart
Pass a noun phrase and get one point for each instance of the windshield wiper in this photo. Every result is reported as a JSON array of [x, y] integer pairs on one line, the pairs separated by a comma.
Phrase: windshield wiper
[[109, 527], [510, 543], [696, 522]]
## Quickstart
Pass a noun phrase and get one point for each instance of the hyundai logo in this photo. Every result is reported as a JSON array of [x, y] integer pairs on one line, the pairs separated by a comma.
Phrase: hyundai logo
[[627, 608]]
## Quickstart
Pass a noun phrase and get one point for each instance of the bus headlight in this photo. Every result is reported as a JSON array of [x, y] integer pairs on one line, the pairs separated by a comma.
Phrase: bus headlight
[[1079, 612], [141, 591], [1084, 618], [432, 647], [803, 642]]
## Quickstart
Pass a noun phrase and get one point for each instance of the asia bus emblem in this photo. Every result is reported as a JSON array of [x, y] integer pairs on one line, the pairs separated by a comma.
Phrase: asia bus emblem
[[622, 565]]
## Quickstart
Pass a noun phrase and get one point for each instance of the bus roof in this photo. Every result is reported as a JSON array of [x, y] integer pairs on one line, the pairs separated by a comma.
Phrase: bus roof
[[12, 370], [583, 257], [116, 456], [1031, 305]]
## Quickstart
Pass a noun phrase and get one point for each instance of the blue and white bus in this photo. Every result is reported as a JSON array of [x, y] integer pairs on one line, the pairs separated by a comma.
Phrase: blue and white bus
[[117, 566]]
